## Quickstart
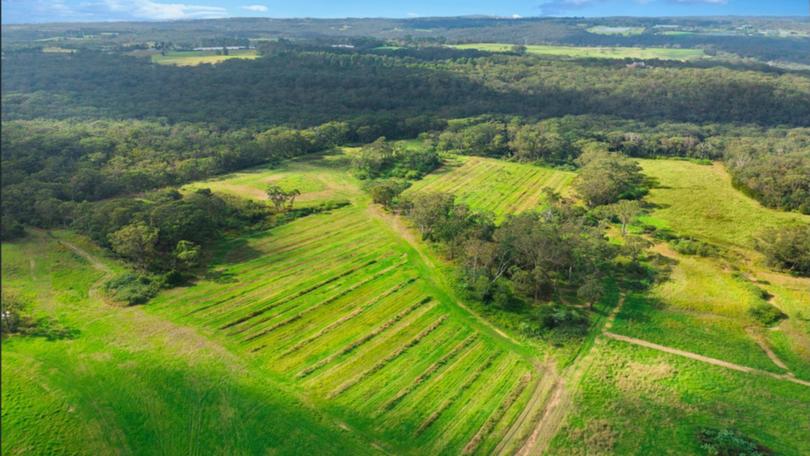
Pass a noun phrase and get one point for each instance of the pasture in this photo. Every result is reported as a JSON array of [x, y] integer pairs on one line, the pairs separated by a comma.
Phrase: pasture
[[699, 201], [116, 380], [193, 58], [594, 52], [703, 304], [344, 310], [496, 186], [635, 400]]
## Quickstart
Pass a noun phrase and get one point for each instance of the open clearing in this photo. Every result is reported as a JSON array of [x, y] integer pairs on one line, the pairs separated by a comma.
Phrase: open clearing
[[193, 58], [594, 52], [703, 305], [493, 185]]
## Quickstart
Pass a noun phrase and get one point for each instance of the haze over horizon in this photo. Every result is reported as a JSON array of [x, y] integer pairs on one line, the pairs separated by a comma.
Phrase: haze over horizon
[[42, 11]]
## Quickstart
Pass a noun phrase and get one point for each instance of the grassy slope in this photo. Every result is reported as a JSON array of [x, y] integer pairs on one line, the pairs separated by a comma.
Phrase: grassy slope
[[128, 382], [699, 201], [635, 400], [594, 52], [303, 299], [493, 185]]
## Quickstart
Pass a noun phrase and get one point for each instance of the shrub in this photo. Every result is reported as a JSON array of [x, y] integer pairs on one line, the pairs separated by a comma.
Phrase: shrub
[[687, 246], [787, 248], [729, 442], [767, 314], [132, 289]]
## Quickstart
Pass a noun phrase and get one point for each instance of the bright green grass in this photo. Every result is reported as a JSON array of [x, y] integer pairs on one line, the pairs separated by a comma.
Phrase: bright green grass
[[624, 31], [496, 186], [698, 200], [343, 309], [638, 401], [594, 52], [132, 383], [701, 306], [707, 334], [319, 180], [193, 58]]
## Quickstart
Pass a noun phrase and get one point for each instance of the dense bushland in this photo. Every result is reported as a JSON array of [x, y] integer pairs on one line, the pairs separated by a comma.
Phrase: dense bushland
[[305, 88]]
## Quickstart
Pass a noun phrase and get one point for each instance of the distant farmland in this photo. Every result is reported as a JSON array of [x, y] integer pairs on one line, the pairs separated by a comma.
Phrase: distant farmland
[[594, 52], [192, 58]]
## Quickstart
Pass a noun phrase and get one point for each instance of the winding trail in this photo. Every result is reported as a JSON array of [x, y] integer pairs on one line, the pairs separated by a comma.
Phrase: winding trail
[[705, 359]]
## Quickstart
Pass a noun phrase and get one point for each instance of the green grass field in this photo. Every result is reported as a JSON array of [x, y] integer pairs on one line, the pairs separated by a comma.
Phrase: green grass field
[[493, 185], [594, 52], [335, 311], [193, 58], [341, 307], [699, 200], [124, 381], [634, 400], [703, 305]]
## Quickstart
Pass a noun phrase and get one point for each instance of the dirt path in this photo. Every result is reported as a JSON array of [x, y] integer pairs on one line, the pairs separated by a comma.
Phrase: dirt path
[[768, 351], [93, 292], [539, 394], [704, 359]]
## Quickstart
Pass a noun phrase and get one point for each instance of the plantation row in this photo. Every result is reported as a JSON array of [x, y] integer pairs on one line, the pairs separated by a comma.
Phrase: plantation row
[[494, 185], [337, 304]]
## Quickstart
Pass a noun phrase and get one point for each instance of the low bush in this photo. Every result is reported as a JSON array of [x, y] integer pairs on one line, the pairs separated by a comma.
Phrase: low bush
[[132, 288], [767, 314], [729, 442]]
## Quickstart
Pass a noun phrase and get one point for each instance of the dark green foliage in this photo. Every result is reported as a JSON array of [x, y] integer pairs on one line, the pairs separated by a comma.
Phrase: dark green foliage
[[556, 316], [608, 177], [787, 248], [729, 442], [384, 159], [774, 170], [48, 166], [150, 231], [133, 288], [767, 314], [386, 191], [689, 246], [12, 306], [10, 228]]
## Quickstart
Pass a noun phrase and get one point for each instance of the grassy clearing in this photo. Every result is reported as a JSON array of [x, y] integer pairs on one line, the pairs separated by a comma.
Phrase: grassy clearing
[[699, 201], [339, 306], [703, 304], [594, 52], [319, 180], [493, 185], [122, 380], [193, 58], [635, 400]]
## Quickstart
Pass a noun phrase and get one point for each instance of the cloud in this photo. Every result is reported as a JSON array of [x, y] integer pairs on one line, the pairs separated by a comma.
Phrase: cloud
[[559, 7], [413, 14], [151, 10], [517, 16], [256, 8]]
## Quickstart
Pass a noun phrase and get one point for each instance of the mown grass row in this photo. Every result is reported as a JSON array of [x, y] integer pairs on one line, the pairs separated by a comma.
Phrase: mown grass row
[[496, 186], [335, 304]]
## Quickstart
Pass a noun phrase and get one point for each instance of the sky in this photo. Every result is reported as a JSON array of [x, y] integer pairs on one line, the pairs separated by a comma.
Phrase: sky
[[32, 11]]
